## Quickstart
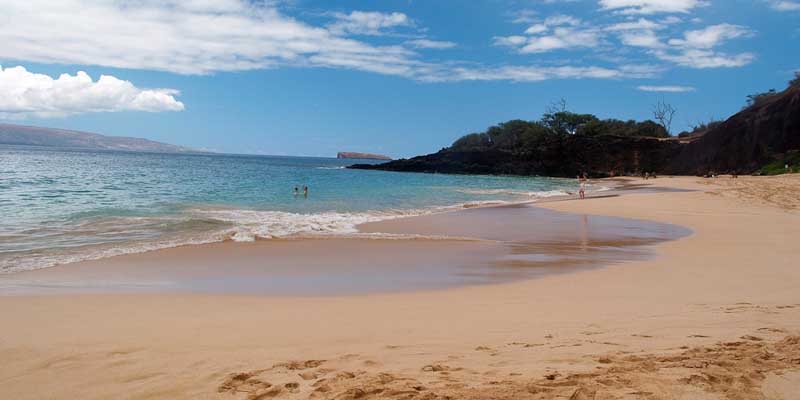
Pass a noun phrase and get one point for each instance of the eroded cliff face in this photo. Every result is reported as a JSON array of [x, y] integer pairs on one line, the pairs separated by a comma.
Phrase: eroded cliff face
[[747, 140], [743, 143]]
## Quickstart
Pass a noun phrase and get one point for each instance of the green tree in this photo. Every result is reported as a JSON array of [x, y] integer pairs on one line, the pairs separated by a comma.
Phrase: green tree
[[472, 142], [507, 135], [650, 128], [759, 98], [565, 122], [796, 80]]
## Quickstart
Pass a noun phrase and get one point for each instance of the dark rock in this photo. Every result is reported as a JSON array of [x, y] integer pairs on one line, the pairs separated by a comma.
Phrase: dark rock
[[744, 143]]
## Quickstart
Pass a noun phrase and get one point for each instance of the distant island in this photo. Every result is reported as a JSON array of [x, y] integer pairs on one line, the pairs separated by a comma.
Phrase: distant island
[[361, 156], [62, 138], [763, 138]]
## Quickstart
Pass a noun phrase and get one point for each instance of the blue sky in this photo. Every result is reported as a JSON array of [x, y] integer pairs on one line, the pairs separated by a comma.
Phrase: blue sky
[[404, 77]]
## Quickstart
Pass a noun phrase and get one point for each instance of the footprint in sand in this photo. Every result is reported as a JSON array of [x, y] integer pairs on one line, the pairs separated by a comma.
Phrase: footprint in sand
[[299, 365], [292, 387], [772, 330], [308, 375], [243, 382]]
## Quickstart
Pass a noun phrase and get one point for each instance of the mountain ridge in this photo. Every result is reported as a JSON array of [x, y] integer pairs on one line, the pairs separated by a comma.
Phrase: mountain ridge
[[28, 135]]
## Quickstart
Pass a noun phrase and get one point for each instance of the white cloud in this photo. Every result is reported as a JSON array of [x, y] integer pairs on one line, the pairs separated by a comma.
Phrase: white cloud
[[555, 32], [640, 24], [710, 36], [668, 89], [203, 37], [430, 44], [696, 48], [562, 38], [535, 29], [558, 20], [651, 6], [697, 58], [524, 17], [639, 33], [536, 73], [511, 41], [671, 20], [784, 5], [647, 39], [26, 94], [367, 23], [186, 37]]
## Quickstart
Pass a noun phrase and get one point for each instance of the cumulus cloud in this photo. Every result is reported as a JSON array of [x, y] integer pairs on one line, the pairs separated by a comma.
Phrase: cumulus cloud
[[189, 37], [701, 59], [26, 94], [651, 6], [784, 5], [668, 89], [554, 33], [638, 33], [640, 24], [430, 44], [203, 37], [710, 36], [562, 38], [696, 48], [645, 38], [367, 23]]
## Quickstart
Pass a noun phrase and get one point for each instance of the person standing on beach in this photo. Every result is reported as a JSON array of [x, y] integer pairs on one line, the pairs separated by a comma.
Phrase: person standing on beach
[[582, 182]]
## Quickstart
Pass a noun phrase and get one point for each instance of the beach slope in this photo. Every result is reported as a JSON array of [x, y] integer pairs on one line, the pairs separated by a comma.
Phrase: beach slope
[[716, 315]]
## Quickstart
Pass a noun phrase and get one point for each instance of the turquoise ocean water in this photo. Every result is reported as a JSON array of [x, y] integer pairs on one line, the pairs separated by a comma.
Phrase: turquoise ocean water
[[60, 206]]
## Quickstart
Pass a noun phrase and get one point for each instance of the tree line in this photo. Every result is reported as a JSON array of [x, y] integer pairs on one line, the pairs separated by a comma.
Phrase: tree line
[[519, 136]]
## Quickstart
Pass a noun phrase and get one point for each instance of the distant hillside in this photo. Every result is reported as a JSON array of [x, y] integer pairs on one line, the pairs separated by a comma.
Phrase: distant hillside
[[37, 136], [362, 156], [766, 133]]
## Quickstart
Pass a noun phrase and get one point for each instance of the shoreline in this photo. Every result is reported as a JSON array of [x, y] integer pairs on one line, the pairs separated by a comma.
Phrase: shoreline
[[435, 251], [234, 234], [705, 311], [245, 229]]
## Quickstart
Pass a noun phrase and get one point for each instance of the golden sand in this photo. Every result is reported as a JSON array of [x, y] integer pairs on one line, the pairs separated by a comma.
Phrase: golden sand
[[715, 316]]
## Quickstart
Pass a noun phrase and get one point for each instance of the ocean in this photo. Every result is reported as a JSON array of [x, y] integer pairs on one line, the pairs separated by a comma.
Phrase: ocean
[[60, 206]]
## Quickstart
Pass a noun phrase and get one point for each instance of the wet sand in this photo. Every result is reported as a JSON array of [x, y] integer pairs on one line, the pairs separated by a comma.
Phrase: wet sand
[[468, 247], [715, 315]]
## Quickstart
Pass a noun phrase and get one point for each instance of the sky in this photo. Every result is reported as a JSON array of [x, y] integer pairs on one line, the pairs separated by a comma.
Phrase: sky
[[397, 77]]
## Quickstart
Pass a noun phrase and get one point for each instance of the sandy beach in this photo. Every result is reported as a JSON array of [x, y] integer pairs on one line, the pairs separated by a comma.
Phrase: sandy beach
[[713, 315]]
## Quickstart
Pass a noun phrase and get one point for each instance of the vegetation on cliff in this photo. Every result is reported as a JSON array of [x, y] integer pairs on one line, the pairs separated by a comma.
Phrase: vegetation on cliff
[[564, 143]]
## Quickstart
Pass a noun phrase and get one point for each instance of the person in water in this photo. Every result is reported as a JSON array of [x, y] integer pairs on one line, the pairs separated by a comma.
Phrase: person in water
[[305, 191], [582, 181], [296, 190]]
